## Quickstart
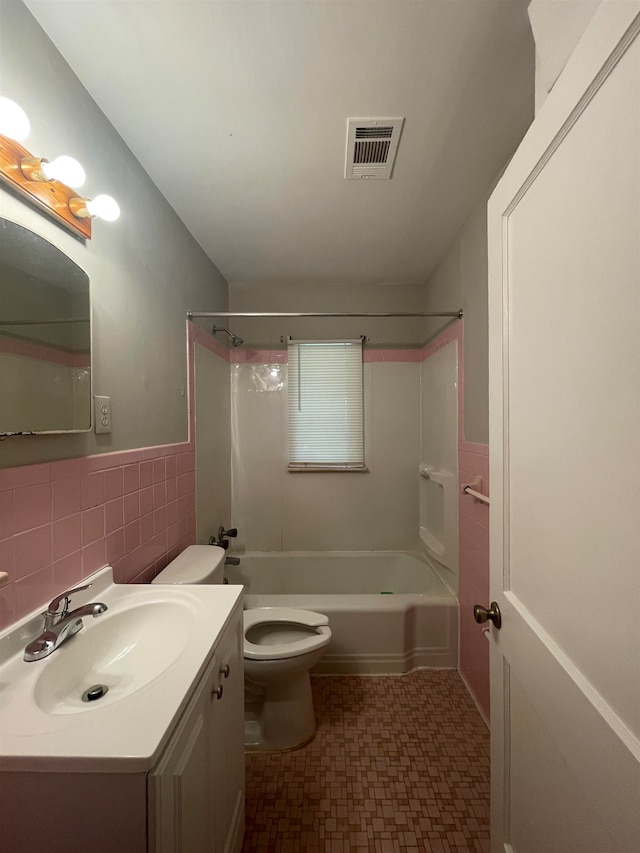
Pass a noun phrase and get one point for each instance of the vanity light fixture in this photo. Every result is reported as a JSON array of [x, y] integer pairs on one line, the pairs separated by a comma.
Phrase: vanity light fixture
[[14, 122], [102, 207], [64, 169], [50, 186]]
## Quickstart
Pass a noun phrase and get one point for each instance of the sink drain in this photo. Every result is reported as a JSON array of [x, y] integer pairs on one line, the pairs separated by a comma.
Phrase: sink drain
[[96, 691]]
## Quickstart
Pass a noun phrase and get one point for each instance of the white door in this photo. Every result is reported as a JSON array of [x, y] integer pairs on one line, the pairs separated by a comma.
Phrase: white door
[[564, 290]]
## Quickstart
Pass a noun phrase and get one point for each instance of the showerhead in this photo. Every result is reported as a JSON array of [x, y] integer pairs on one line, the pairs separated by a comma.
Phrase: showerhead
[[236, 341]]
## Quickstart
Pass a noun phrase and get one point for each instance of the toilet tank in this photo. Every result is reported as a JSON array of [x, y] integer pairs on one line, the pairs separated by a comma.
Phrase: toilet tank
[[197, 564]]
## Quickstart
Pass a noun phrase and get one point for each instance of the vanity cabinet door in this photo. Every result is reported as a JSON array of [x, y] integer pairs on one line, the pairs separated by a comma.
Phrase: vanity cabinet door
[[196, 791], [226, 743], [180, 790]]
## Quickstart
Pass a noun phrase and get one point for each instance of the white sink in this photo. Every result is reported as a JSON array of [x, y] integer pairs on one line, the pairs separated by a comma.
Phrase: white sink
[[123, 651], [149, 649]]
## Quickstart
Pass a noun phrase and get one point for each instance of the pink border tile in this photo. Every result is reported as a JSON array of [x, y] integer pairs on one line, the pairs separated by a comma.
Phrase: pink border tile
[[25, 475], [28, 349]]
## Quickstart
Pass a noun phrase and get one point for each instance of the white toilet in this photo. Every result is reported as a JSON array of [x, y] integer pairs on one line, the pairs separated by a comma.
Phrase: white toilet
[[280, 647]]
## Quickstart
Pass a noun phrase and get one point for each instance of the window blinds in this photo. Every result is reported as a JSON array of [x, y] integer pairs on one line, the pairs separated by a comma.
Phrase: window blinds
[[325, 404]]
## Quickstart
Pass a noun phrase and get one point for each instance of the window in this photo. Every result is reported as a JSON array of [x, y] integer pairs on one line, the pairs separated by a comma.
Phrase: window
[[326, 430]]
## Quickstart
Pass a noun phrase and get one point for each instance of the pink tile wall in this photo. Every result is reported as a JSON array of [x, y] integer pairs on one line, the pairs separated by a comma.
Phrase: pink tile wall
[[473, 539], [61, 521], [473, 557]]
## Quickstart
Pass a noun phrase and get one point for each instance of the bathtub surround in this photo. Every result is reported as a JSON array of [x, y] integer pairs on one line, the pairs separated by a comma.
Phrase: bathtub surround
[[269, 518], [278, 511], [438, 483]]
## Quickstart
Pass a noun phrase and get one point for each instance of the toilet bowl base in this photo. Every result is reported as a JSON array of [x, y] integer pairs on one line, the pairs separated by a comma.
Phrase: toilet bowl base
[[285, 719], [260, 746]]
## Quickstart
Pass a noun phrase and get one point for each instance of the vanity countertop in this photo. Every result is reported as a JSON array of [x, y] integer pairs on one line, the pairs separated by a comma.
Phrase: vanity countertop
[[150, 648]]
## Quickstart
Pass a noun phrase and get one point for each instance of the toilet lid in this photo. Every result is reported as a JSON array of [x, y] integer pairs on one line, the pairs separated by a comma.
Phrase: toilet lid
[[317, 622]]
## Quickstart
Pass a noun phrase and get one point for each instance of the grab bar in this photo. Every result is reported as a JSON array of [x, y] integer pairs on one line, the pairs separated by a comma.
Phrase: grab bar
[[470, 489]]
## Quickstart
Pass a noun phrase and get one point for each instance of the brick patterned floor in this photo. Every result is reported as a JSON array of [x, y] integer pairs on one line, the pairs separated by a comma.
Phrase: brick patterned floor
[[400, 763]]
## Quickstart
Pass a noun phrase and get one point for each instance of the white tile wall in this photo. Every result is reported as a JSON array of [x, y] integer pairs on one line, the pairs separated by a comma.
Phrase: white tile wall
[[396, 442], [213, 443], [440, 394], [276, 510], [257, 423], [439, 450]]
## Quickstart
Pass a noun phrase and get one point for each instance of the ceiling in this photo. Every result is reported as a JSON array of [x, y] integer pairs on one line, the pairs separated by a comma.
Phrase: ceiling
[[237, 110]]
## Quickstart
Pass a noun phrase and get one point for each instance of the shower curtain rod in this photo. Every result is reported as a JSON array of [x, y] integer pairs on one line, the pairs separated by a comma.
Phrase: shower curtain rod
[[193, 314]]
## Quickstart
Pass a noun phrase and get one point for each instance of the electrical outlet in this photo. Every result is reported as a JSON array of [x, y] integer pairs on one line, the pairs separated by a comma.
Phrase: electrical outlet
[[102, 409]]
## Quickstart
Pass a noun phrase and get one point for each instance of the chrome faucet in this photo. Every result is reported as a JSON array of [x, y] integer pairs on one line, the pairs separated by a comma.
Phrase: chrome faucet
[[60, 624], [232, 561]]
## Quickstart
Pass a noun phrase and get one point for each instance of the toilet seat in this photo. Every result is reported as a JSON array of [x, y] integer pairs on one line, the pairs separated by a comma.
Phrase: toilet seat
[[285, 615]]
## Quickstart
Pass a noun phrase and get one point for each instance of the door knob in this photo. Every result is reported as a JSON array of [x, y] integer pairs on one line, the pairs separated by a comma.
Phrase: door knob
[[481, 614]]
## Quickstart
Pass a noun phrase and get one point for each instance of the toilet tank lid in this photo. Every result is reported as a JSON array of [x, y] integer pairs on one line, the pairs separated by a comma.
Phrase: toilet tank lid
[[196, 564]]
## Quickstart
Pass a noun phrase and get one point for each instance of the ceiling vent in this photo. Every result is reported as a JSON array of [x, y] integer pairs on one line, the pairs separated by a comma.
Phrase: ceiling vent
[[371, 147]]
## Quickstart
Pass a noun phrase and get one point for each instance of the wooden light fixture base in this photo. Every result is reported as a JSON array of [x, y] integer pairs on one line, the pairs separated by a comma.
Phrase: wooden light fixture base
[[51, 197]]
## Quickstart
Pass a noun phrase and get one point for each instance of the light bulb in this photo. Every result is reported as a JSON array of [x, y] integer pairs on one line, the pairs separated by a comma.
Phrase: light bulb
[[65, 169], [13, 120], [104, 206]]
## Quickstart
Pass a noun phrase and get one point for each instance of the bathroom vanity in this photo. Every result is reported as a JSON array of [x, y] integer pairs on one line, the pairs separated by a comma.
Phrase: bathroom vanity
[[157, 764]]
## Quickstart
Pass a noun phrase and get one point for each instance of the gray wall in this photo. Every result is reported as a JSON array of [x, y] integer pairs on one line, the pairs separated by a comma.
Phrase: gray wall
[[146, 270], [261, 333], [461, 278]]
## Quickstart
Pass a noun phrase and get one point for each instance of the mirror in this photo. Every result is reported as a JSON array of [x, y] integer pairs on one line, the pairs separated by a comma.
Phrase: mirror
[[45, 336]]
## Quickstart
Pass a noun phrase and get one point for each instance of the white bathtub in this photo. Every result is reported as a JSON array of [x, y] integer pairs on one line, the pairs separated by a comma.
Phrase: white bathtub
[[388, 611]]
